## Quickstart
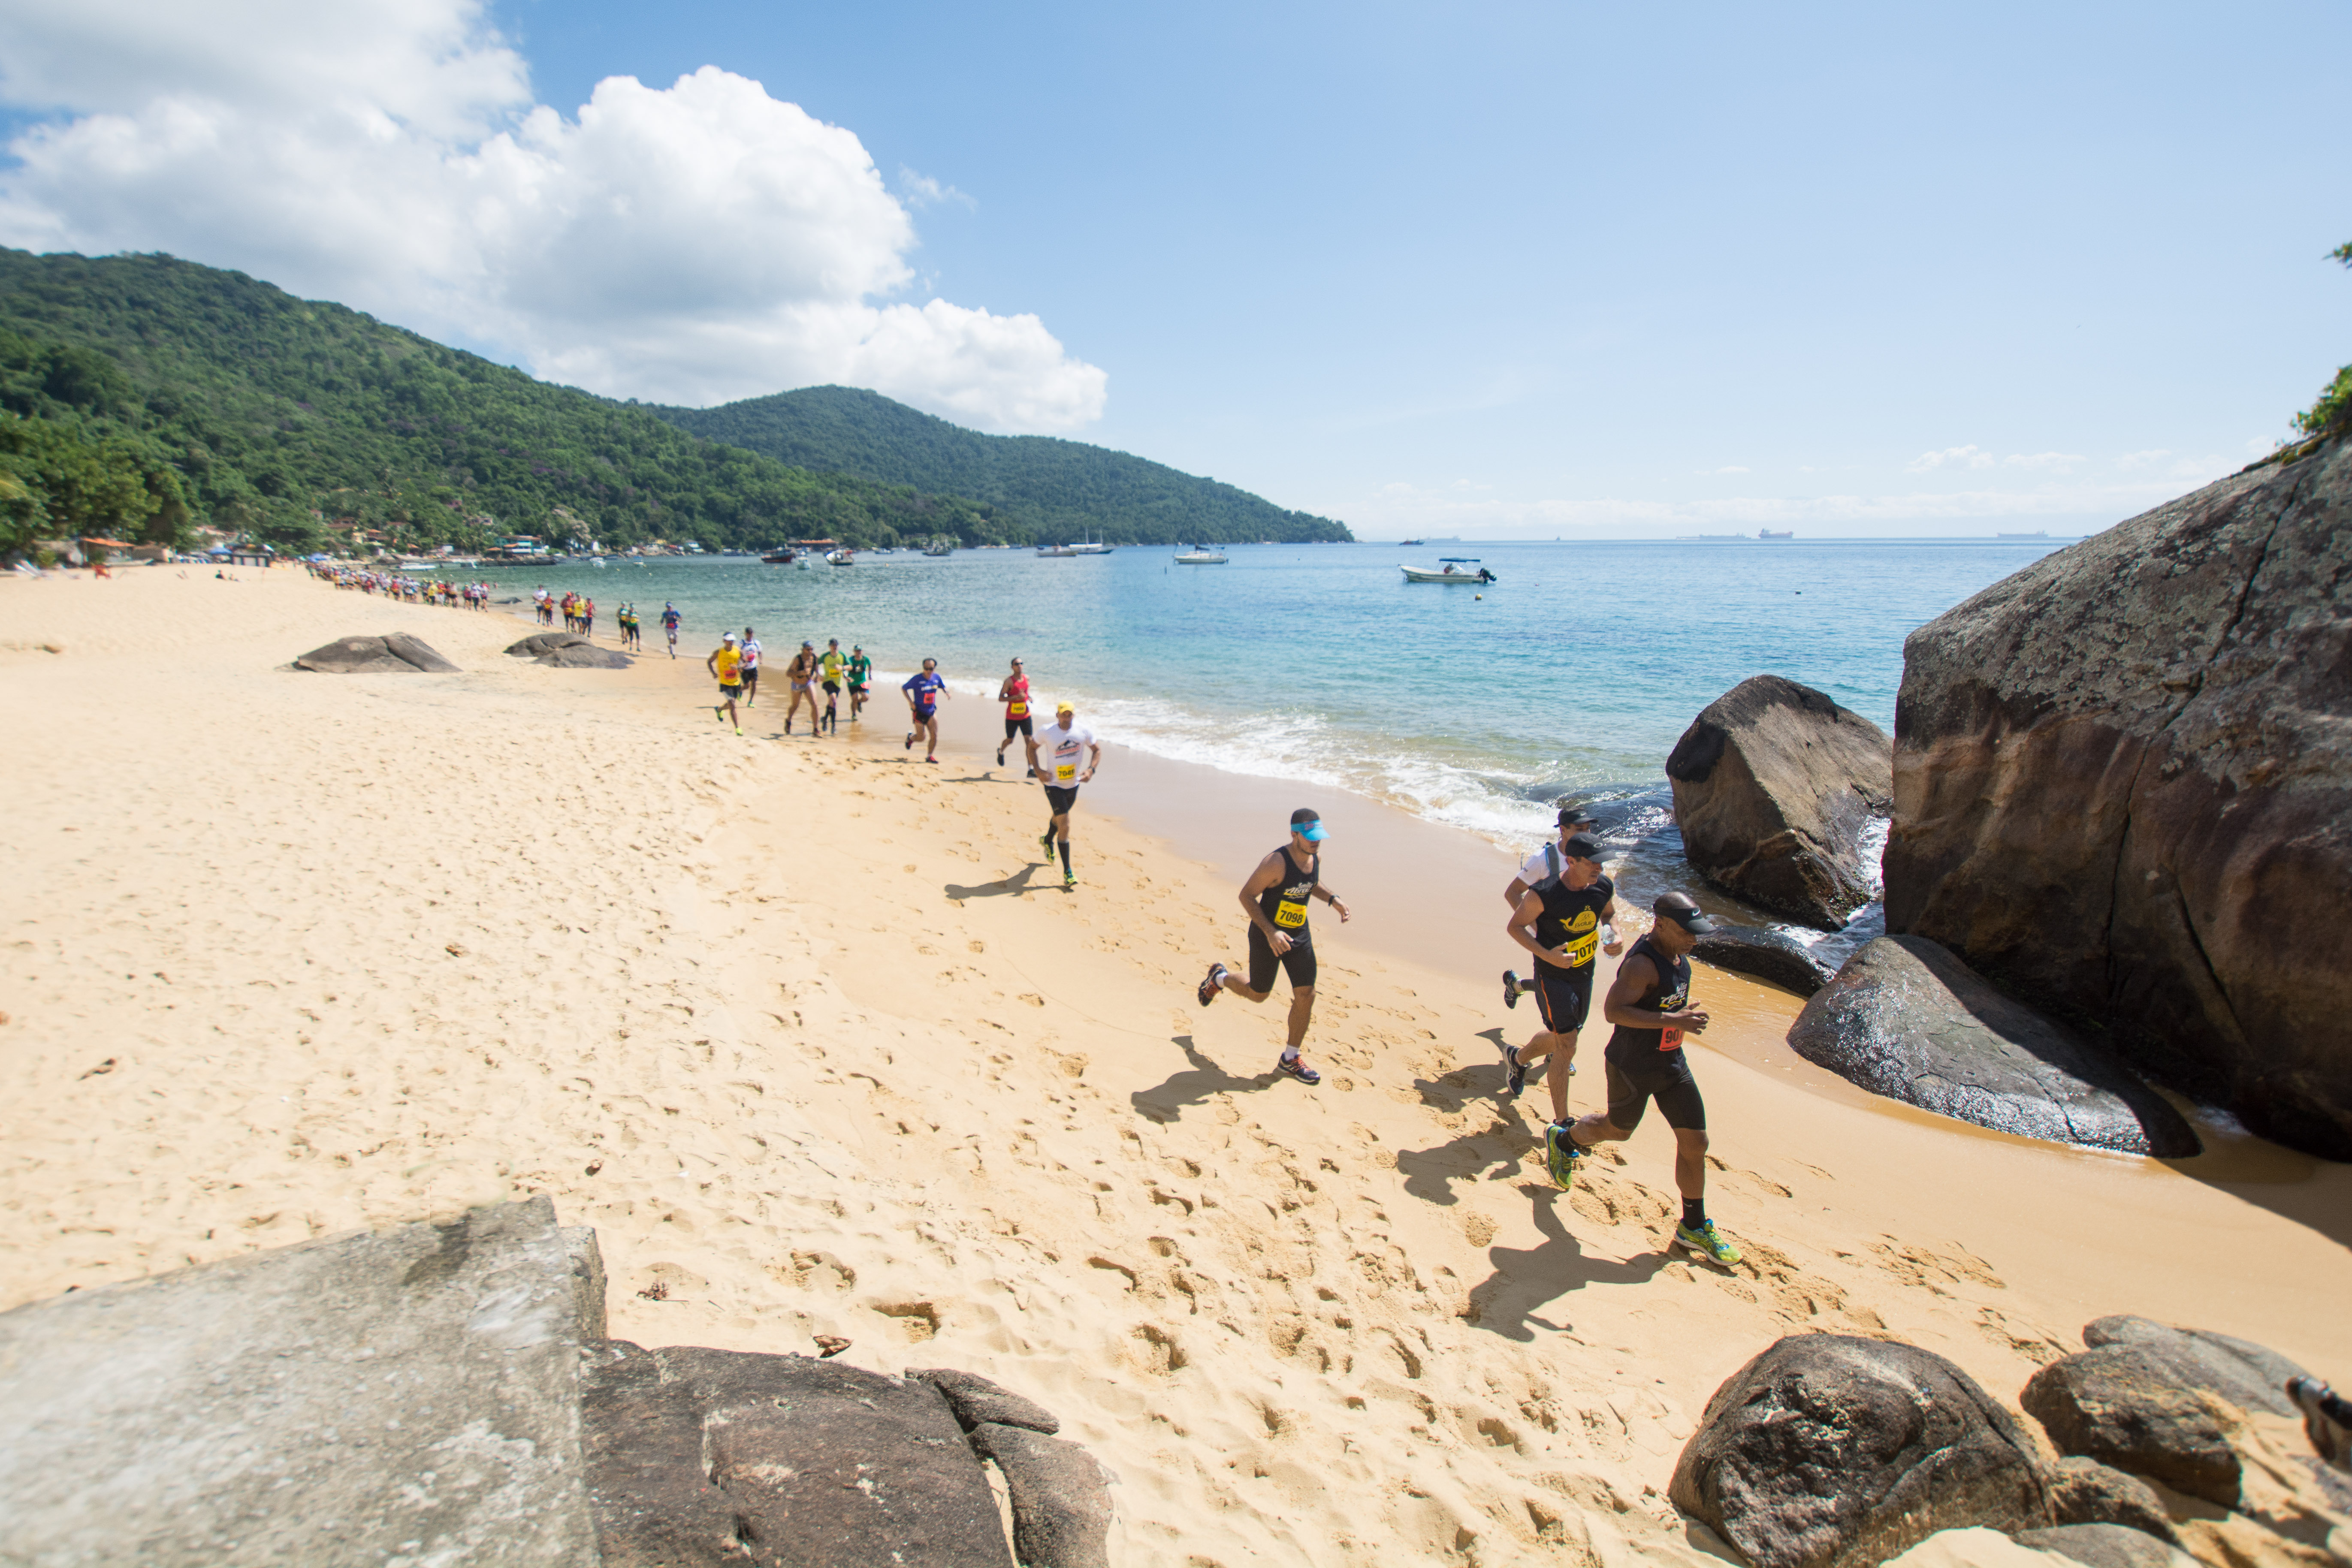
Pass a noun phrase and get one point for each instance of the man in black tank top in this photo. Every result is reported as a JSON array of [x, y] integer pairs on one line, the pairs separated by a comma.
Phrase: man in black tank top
[[1650, 1005], [1564, 921], [1276, 898]]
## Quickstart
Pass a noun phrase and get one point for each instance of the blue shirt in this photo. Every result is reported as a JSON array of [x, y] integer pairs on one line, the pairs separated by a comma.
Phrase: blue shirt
[[923, 689]]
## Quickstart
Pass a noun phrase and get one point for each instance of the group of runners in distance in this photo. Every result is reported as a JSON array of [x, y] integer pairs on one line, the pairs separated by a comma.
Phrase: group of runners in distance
[[409, 590]]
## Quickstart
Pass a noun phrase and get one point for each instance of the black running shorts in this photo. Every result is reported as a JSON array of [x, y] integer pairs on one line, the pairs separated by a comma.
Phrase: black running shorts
[[1564, 996], [1014, 726], [1298, 962], [1061, 799], [1666, 1079]]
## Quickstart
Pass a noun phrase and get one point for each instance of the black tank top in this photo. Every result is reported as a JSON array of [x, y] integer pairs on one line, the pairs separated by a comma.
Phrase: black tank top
[[1284, 903], [1572, 915], [1669, 993]]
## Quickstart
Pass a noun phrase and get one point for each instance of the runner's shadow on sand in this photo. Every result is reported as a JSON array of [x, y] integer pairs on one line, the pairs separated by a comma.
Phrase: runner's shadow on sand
[[1525, 1278], [1166, 1102], [1017, 883], [1487, 1155]]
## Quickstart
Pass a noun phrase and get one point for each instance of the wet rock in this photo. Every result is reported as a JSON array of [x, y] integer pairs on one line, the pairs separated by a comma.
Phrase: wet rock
[[397, 654], [2249, 1375], [2129, 1406], [2107, 1546], [719, 1457], [568, 650], [2084, 1491], [1828, 1451], [1907, 1020], [1061, 1499], [2124, 771], [974, 1399], [1773, 785], [1769, 955]]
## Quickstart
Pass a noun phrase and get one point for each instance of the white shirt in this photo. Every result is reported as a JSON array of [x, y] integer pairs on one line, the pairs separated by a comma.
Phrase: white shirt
[[750, 652], [1062, 753]]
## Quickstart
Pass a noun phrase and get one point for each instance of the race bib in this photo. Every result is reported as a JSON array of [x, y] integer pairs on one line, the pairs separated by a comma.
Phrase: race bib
[[1289, 915], [1579, 950], [1063, 772], [1018, 710], [1670, 1039]]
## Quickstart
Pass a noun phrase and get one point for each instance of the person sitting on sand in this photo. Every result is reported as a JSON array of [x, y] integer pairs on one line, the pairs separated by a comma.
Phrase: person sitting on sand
[[1275, 898], [726, 663]]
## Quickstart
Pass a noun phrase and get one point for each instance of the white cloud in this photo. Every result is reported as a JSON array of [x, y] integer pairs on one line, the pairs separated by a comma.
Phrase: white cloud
[[1733, 469], [920, 190], [1950, 457], [2052, 462], [692, 243]]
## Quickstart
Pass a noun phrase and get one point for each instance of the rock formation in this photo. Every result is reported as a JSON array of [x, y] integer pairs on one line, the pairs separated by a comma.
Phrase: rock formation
[[568, 650], [1773, 785], [2123, 784], [2107, 1546], [396, 653], [1906, 1020], [1828, 1451], [1779, 960]]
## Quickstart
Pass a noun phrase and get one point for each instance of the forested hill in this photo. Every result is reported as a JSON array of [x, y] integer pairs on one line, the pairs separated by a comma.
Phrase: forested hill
[[140, 395], [1056, 489]]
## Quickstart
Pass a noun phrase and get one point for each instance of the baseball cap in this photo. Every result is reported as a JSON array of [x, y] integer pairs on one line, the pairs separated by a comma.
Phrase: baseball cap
[[1064, 707], [1308, 824], [1679, 908], [1581, 846], [1569, 816], [727, 636], [808, 644]]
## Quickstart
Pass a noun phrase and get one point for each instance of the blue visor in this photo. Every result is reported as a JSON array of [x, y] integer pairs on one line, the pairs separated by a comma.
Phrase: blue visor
[[1311, 832]]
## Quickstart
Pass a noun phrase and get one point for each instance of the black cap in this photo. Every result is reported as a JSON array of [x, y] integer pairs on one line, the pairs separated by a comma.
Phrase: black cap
[[1581, 846], [1569, 816], [1679, 908]]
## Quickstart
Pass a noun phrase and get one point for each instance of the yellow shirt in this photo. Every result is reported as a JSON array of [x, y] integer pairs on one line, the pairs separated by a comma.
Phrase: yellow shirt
[[729, 665]]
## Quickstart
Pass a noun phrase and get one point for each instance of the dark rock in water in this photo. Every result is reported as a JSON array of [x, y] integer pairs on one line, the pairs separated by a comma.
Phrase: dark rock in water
[[2107, 1546], [975, 1399], [1774, 783], [1905, 1018], [2084, 1491], [1783, 961], [1061, 1499], [2126, 1406], [2121, 774], [397, 654], [568, 650], [2249, 1375], [724, 1458], [1828, 1451]]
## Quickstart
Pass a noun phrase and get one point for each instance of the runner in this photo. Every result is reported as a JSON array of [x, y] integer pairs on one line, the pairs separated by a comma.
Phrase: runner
[[1544, 863], [923, 694], [801, 674], [1650, 1005], [828, 670], [1015, 695], [861, 671], [1562, 921], [539, 601], [728, 666], [669, 624], [1276, 898], [630, 633], [751, 668], [1064, 747]]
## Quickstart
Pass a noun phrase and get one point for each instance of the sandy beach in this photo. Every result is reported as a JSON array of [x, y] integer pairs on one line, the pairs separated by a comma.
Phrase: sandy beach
[[806, 1031]]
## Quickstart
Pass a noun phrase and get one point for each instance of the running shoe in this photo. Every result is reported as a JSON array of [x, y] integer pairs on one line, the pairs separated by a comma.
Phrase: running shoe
[[1207, 989], [1518, 1079], [1069, 880], [1510, 988], [1561, 1153], [1293, 1067], [999, 759], [1045, 841], [911, 737], [1706, 1239]]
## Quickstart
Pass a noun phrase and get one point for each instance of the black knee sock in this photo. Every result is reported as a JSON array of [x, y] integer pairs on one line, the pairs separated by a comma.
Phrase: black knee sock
[[1065, 857], [1695, 1212]]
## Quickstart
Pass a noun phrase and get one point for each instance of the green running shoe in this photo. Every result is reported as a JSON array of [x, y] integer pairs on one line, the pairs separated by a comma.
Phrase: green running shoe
[[1045, 841], [1561, 1153], [1068, 881], [1706, 1239]]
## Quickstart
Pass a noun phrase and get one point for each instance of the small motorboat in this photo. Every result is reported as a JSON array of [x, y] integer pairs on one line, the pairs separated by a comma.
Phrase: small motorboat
[[1057, 552], [1451, 571], [842, 557], [782, 558], [938, 547], [1202, 555]]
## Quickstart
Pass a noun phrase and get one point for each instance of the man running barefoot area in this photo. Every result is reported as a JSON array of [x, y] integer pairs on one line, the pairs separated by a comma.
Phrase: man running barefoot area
[[1064, 755], [861, 675], [1650, 1005], [1543, 864], [751, 648], [1562, 920], [1015, 695], [1276, 898], [924, 691], [726, 663]]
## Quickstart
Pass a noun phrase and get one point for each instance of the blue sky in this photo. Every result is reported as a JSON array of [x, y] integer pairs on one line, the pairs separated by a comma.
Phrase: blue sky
[[1496, 270]]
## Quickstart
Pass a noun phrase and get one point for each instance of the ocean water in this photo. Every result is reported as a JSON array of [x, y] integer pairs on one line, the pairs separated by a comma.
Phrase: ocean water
[[1571, 675]]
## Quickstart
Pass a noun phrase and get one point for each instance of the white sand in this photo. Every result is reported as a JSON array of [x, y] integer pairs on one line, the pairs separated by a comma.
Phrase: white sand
[[363, 949]]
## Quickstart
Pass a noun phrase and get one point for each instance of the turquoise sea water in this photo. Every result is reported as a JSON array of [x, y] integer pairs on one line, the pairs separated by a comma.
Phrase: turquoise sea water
[[1573, 674]]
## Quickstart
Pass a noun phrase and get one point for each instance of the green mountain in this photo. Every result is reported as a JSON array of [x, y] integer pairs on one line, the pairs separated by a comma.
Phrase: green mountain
[[1053, 490], [140, 395]]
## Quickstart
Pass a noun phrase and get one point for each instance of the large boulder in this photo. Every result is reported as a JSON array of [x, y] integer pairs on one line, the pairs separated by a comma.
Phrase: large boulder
[[2084, 1491], [1828, 1451], [394, 653], [2249, 1375], [2130, 1406], [1773, 784], [1060, 1497], [1905, 1018], [2107, 1546], [1769, 955], [975, 1400], [568, 650], [2123, 783]]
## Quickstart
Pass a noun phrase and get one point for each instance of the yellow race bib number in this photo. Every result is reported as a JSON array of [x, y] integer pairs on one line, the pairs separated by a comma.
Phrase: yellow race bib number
[[1017, 710], [1579, 950], [1064, 772], [1290, 915]]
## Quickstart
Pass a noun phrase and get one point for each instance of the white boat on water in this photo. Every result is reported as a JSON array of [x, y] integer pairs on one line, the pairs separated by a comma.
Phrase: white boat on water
[[1202, 555], [1450, 572], [842, 557], [1085, 547], [1056, 551]]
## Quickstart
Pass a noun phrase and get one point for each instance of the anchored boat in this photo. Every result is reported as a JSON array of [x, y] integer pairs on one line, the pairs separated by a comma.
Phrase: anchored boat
[[1202, 555], [1450, 572]]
